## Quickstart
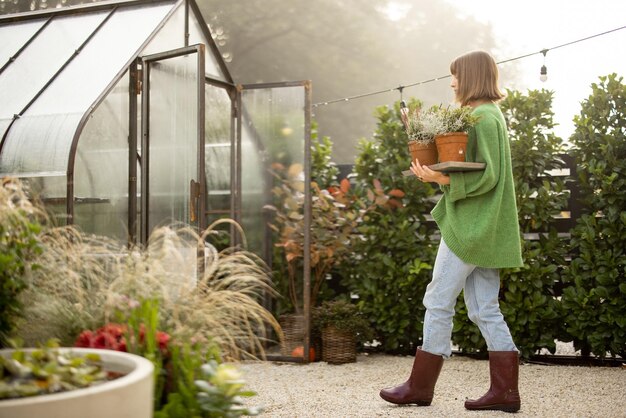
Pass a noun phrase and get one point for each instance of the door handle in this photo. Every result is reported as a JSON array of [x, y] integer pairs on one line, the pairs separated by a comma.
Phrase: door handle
[[194, 194]]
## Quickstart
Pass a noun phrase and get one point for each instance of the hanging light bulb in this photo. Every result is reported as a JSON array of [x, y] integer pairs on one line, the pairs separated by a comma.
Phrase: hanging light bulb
[[543, 73]]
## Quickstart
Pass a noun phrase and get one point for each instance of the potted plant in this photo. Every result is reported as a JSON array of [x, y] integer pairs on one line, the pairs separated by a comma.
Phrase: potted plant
[[421, 127], [333, 223], [341, 326], [442, 127], [73, 383]]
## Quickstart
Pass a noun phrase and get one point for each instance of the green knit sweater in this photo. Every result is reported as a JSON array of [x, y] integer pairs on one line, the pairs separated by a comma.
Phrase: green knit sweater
[[477, 214]]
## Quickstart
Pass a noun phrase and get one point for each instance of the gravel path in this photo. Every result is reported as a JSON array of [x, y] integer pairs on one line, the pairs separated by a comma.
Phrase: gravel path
[[351, 390]]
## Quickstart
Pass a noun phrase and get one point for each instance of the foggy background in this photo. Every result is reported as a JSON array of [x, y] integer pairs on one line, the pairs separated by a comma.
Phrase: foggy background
[[352, 47], [347, 48]]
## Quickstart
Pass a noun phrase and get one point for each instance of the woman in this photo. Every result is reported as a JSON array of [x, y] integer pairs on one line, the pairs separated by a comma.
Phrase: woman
[[477, 216]]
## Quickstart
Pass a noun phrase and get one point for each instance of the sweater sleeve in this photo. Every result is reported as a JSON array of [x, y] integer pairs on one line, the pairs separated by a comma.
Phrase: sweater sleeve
[[474, 183]]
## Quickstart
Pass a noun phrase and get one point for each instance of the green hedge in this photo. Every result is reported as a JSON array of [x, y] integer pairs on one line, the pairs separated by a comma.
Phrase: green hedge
[[594, 303], [392, 263]]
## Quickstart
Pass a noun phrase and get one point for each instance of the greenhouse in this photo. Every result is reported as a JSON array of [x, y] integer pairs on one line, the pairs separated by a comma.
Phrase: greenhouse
[[122, 116]]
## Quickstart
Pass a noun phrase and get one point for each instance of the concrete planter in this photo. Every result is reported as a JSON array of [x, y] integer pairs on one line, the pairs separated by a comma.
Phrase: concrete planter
[[130, 396]]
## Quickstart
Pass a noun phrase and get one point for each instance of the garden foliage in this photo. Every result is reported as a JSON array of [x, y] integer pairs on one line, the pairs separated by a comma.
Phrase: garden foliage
[[594, 303], [148, 301], [19, 245], [392, 259]]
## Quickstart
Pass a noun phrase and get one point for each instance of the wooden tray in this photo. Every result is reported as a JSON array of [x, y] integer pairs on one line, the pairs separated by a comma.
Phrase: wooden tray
[[452, 166]]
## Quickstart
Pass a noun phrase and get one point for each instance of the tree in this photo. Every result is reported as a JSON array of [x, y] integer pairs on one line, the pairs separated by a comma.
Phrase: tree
[[345, 48]]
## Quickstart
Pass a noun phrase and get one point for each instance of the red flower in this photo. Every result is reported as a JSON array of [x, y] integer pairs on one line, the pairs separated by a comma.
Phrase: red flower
[[84, 339], [116, 330], [112, 337], [162, 339]]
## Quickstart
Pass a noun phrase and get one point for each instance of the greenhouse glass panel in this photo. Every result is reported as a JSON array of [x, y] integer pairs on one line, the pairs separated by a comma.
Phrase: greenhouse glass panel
[[39, 145], [273, 124], [101, 168], [14, 36], [36, 65], [60, 108], [51, 190], [170, 36], [173, 140], [103, 58], [217, 152], [196, 36]]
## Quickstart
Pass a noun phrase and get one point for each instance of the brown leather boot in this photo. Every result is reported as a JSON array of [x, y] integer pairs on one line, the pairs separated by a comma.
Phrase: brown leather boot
[[503, 394], [420, 387]]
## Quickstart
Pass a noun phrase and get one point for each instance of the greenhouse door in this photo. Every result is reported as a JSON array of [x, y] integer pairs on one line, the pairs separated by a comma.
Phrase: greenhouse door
[[172, 141]]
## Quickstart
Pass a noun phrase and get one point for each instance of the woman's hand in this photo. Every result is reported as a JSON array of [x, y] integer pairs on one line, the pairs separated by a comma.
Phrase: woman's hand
[[426, 175]]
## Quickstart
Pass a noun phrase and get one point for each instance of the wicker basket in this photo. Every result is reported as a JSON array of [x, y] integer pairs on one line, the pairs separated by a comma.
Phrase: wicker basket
[[338, 346], [293, 333]]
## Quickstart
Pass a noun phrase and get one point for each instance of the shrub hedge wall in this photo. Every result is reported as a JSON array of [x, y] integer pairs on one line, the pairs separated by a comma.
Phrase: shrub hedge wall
[[392, 262]]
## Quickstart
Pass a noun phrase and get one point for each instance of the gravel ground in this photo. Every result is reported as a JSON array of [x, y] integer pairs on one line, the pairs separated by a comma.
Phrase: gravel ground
[[351, 390]]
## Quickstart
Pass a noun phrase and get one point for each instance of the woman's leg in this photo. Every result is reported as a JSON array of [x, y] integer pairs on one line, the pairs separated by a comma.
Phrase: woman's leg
[[483, 308], [449, 275]]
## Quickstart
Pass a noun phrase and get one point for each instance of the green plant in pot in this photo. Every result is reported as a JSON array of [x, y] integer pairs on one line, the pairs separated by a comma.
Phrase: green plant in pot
[[47, 370], [333, 225], [55, 381], [444, 127], [341, 326]]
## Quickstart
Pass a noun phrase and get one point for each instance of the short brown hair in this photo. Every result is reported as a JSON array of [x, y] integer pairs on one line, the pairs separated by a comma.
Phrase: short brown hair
[[477, 77]]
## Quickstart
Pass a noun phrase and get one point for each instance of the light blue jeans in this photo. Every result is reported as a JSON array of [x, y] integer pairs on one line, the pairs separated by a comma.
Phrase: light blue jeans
[[481, 287]]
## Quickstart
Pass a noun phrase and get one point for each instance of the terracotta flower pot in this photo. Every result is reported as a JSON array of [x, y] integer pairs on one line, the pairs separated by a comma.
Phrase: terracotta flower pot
[[426, 154], [451, 146]]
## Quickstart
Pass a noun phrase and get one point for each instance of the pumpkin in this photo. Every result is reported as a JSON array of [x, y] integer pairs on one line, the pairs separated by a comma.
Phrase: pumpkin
[[299, 352]]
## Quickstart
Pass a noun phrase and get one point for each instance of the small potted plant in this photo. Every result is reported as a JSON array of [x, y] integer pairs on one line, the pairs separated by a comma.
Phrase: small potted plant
[[442, 127], [421, 128], [341, 326]]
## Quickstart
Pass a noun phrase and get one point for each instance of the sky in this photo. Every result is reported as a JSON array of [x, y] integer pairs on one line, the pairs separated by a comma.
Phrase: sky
[[523, 27]]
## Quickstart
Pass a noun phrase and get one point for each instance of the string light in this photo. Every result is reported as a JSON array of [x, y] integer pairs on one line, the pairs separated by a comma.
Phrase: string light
[[543, 71]]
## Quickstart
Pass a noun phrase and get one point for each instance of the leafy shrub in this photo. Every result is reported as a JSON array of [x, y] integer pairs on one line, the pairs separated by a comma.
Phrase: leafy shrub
[[392, 259], [220, 392], [594, 303], [19, 246], [323, 170], [344, 316]]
